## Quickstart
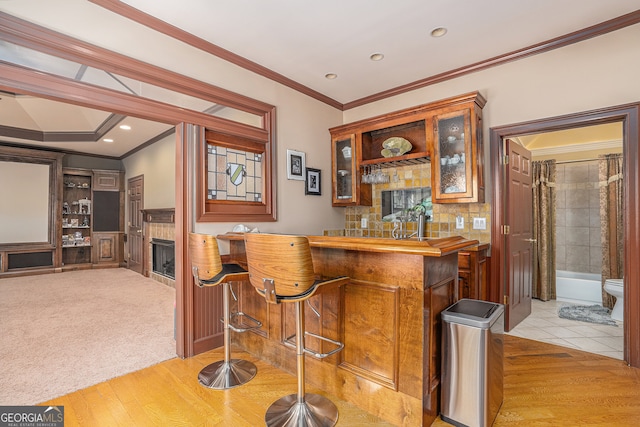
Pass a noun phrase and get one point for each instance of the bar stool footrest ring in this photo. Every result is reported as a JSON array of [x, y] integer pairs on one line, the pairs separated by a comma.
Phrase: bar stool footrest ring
[[242, 322], [289, 342]]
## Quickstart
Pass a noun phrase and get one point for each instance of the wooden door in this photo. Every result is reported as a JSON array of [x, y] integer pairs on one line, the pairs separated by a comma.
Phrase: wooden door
[[135, 234], [518, 239]]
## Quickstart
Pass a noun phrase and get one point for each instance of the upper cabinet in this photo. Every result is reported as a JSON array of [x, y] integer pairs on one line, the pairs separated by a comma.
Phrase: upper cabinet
[[107, 180], [347, 187], [457, 169], [447, 134]]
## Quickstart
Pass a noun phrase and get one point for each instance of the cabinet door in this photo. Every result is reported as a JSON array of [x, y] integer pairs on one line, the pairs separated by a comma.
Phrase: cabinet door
[[106, 247], [453, 157], [347, 190], [106, 180]]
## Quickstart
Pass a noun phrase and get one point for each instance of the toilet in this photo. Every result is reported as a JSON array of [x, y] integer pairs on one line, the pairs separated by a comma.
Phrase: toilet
[[615, 287]]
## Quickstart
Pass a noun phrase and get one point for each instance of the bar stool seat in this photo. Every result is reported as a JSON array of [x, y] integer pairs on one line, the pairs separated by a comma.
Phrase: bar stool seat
[[281, 269], [208, 270]]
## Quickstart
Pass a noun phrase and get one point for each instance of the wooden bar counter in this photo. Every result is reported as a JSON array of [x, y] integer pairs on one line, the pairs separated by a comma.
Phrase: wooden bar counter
[[387, 316]]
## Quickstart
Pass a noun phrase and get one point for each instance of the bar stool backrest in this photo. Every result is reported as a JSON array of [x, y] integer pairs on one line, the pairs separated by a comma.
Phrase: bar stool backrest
[[205, 256], [283, 259]]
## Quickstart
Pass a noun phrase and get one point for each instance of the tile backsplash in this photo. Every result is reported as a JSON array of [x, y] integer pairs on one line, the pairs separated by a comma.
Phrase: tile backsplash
[[443, 223]]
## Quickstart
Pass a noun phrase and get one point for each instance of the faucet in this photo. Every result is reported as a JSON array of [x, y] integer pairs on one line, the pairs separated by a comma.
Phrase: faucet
[[399, 231]]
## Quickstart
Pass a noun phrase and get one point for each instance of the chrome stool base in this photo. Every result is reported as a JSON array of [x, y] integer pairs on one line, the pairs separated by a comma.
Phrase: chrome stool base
[[223, 375], [313, 411]]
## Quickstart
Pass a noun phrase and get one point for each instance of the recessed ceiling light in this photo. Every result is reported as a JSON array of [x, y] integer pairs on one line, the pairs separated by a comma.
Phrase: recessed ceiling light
[[331, 76], [438, 32], [125, 127], [108, 140], [376, 57]]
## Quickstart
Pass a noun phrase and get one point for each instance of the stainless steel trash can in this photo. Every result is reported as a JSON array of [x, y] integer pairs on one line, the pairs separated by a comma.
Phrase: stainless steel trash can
[[472, 363]]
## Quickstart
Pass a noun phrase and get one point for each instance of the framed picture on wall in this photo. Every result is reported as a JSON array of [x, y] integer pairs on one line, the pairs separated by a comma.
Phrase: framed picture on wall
[[295, 165], [312, 182]]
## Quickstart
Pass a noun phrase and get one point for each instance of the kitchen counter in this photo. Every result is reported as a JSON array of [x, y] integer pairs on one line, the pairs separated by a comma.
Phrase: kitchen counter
[[387, 316]]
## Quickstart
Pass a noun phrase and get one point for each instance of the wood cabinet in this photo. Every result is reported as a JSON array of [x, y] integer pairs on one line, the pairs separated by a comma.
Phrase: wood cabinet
[[92, 218], [473, 272], [76, 217], [107, 180], [410, 137], [108, 227], [347, 188], [457, 173], [106, 248]]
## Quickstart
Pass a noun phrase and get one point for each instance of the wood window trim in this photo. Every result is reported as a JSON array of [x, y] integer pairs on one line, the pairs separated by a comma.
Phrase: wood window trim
[[234, 211], [31, 82]]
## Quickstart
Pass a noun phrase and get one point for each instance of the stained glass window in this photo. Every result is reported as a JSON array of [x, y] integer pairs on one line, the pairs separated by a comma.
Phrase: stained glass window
[[234, 175]]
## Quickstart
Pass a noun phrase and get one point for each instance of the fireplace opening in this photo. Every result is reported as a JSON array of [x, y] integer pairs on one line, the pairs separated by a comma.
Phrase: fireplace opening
[[164, 257]]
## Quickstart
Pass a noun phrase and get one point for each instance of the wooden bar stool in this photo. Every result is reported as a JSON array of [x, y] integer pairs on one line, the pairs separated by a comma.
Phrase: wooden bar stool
[[208, 270], [281, 269]]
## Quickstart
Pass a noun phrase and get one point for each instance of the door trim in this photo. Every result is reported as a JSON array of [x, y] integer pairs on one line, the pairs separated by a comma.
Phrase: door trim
[[629, 115]]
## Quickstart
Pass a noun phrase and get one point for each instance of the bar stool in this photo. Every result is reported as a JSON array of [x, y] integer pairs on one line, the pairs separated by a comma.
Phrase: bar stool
[[281, 269], [208, 270]]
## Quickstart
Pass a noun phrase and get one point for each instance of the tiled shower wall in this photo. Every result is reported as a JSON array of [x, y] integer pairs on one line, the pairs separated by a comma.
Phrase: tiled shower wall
[[578, 245], [444, 215]]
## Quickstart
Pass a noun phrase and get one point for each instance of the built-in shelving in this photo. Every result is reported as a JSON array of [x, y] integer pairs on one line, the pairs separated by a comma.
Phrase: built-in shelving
[[76, 218]]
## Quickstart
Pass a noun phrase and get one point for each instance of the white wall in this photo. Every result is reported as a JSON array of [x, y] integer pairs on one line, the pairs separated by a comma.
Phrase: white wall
[[157, 163]]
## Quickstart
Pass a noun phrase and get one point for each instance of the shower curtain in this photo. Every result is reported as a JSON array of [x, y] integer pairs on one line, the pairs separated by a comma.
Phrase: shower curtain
[[611, 225], [544, 225]]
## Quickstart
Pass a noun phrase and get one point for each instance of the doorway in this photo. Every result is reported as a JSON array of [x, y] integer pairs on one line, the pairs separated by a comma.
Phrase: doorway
[[628, 115], [569, 237]]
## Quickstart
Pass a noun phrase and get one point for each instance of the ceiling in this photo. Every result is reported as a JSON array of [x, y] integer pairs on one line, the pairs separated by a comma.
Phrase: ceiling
[[304, 41]]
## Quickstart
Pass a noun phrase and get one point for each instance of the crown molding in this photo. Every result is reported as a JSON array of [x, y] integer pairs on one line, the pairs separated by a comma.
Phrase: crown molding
[[136, 15], [154, 23]]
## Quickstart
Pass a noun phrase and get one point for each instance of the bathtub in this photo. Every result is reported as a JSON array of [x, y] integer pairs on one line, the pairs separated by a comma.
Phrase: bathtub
[[579, 288]]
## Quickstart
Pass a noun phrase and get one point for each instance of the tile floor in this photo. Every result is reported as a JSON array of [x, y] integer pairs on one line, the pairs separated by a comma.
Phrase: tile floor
[[545, 325]]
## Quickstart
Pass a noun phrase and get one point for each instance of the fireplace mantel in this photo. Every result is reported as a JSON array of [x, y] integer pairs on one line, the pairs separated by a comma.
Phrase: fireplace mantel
[[166, 215]]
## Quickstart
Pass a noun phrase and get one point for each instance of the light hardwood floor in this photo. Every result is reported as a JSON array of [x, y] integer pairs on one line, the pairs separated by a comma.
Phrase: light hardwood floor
[[544, 385]]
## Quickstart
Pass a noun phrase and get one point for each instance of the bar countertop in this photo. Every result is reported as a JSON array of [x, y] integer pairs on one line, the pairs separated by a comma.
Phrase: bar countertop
[[429, 247]]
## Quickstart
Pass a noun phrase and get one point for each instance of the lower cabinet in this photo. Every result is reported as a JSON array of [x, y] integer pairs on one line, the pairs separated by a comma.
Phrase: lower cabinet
[[473, 273], [107, 248]]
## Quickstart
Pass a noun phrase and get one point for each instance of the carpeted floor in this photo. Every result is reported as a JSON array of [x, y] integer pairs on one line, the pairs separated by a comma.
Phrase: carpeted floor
[[66, 331]]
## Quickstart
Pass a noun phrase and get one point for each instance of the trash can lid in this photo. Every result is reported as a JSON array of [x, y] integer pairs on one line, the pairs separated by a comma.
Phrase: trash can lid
[[473, 313]]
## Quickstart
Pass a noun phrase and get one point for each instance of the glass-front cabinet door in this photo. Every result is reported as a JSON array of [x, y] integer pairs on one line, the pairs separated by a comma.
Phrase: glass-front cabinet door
[[456, 172], [347, 189]]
